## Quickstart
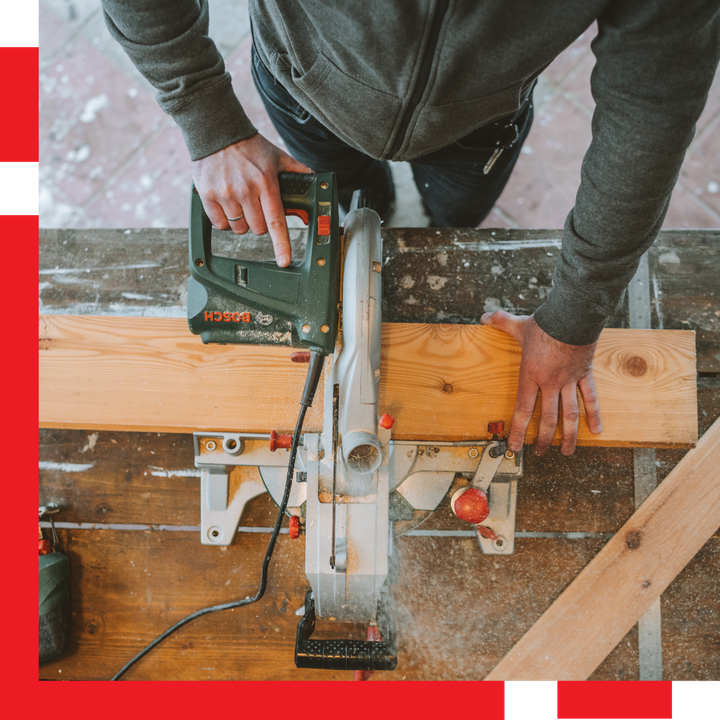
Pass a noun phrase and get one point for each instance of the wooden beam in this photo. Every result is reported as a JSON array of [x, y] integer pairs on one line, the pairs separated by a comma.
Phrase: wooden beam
[[599, 607], [441, 382]]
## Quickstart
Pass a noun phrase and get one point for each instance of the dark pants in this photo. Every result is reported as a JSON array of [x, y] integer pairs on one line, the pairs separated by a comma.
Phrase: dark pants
[[451, 182]]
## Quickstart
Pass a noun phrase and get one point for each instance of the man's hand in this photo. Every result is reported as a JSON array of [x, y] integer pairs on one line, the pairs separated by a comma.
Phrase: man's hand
[[239, 189], [556, 369]]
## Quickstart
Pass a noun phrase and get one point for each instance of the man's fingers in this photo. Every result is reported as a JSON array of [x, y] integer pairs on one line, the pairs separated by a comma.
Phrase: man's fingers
[[290, 164], [233, 209], [548, 421], [524, 408], [274, 212], [254, 215], [505, 321], [592, 406], [239, 227], [215, 213], [571, 416]]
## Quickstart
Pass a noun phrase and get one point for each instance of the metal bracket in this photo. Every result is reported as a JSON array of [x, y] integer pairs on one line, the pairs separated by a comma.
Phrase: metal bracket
[[423, 473], [489, 463], [420, 473], [215, 455], [219, 519], [502, 497]]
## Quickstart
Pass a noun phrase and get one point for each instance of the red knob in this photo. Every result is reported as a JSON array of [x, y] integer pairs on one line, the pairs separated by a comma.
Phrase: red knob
[[471, 505], [301, 356], [496, 428], [294, 527], [279, 441], [44, 547], [387, 421]]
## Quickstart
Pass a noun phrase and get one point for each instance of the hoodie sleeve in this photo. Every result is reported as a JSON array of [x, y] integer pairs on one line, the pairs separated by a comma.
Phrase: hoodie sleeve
[[655, 64], [168, 42]]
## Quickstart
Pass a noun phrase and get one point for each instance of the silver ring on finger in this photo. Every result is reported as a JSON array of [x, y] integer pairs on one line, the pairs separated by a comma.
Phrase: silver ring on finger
[[239, 217]]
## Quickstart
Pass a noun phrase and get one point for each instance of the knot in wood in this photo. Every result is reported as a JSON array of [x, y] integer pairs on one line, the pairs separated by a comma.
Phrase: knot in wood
[[447, 388], [636, 366], [647, 584], [633, 539], [44, 343]]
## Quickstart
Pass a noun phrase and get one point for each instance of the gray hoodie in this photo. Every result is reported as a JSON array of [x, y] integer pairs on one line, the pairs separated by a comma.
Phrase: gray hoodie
[[400, 78]]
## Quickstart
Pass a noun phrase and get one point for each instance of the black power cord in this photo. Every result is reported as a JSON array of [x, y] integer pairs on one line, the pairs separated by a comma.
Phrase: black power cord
[[311, 382]]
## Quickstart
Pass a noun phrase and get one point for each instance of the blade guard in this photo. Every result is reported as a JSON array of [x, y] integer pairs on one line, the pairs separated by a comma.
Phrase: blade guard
[[250, 301]]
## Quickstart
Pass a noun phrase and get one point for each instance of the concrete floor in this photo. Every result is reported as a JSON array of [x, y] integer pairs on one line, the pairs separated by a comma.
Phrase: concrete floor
[[110, 158]]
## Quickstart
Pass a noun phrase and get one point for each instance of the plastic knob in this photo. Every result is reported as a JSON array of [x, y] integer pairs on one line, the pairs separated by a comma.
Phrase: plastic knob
[[387, 421], [279, 441], [496, 428], [471, 505], [294, 525], [301, 356]]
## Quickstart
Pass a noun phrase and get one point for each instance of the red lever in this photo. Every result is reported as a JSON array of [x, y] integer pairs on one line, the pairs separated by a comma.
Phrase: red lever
[[487, 532], [279, 441], [294, 526], [302, 356], [470, 504], [387, 421], [496, 428]]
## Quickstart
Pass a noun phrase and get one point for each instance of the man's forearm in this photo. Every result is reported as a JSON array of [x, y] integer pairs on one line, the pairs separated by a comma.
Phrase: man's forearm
[[169, 44], [655, 64]]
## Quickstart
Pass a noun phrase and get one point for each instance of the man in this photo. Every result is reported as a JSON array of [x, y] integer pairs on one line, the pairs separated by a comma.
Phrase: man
[[442, 83]]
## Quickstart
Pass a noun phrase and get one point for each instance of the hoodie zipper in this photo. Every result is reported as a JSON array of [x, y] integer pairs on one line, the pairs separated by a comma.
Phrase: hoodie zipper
[[424, 74]]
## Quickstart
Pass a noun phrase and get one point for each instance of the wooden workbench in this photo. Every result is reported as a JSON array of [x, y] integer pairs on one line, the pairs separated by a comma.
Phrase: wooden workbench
[[133, 498]]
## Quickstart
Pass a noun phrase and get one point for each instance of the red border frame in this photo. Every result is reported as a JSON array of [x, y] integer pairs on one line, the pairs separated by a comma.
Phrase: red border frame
[[609, 700], [18, 143]]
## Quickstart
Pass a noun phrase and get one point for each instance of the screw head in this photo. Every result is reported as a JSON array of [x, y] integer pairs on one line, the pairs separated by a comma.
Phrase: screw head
[[510, 455], [473, 452], [324, 185], [306, 328]]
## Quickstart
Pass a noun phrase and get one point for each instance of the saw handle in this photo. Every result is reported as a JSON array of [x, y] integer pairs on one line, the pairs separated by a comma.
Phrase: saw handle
[[342, 654], [305, 293], [298, 192]]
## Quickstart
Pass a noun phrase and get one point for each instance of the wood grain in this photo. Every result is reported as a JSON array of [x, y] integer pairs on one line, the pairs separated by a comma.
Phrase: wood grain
[[128, 586], [440, 382], [601, 605]]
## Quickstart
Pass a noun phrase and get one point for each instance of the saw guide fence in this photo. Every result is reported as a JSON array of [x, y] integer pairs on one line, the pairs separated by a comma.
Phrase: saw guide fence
[[451, 602]]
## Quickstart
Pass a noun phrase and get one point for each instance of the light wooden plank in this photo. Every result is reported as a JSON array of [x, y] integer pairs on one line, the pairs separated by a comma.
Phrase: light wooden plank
[[621, 583], [441, 382]]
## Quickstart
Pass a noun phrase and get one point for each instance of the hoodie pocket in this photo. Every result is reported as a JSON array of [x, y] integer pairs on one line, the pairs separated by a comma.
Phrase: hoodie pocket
[[359, 114], [275, 94]]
